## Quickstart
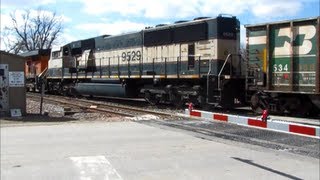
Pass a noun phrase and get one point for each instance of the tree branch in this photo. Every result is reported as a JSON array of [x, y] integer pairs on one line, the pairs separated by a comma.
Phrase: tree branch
[[33, 32]]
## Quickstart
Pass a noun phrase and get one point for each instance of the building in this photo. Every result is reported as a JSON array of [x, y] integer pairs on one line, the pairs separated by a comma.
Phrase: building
[[12, 85]]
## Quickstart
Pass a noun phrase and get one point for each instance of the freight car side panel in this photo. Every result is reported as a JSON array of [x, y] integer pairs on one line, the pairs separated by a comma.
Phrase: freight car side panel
[[293, 57], [305, 57], [257, 54], [284, 56]]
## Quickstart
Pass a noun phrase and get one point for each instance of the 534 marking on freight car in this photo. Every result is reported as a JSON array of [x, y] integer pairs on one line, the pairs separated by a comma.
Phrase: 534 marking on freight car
[[280, 67]]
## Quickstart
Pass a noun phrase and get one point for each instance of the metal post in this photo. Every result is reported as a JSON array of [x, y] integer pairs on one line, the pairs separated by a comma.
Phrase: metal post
[[119, 66], [153, 70], [109, 69], [100, 69], [268, 59], [291, 82], [165, 67], [222, 68], [208, 81], [317, 70], [199, 66], [42, 94]]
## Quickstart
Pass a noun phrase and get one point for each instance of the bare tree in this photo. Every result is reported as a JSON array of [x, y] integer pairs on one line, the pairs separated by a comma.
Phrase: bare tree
[[30, 32]]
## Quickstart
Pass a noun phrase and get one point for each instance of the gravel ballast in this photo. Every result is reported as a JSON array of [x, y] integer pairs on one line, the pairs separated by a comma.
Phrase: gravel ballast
[[57, 113]]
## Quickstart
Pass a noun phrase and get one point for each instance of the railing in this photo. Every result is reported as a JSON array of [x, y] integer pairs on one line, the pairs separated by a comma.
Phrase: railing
[[164, 62], [43, 73], [238, 67], [221, 70], [177, 60], [208, 81]]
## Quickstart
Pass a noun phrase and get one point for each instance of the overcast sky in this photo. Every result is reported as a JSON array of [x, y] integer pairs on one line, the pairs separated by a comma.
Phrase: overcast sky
[[89, 18]]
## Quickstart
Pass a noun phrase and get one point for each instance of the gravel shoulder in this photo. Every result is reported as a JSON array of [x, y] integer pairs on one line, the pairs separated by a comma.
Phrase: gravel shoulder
[[55, 113]]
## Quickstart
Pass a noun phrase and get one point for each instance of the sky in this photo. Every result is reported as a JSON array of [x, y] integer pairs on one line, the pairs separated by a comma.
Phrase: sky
[[89, 18]]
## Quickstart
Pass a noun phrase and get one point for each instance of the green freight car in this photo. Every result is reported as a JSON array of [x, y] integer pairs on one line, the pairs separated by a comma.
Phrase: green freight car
[[283, 66]]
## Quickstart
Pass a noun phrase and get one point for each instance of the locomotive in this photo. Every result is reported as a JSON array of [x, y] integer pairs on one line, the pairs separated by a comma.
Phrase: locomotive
[[36, 63], [195, 62]]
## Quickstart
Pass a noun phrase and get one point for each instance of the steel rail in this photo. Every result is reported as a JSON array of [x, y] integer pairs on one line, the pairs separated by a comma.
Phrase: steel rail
[[102, 107]]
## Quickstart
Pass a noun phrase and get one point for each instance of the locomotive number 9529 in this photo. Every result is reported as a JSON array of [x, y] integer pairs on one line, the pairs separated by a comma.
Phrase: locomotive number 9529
[[131, 56]]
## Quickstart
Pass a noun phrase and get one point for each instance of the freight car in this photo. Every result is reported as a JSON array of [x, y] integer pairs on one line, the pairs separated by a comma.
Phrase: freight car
[[36, 63], [189, 61], [283, 67]]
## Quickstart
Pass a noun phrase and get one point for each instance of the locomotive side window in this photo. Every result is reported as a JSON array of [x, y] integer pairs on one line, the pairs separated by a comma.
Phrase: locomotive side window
[[76, 51], [190, 56], [65, 51], [157, 37], [118, 42], [195, 32]]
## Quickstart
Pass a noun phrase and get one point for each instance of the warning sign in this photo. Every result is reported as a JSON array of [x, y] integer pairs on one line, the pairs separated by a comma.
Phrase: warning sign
[[15, 112], [16, 79]]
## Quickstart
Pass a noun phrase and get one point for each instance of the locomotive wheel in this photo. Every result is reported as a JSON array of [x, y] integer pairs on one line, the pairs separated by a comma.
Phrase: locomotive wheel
[[258, 104], [177, 101], [305, 109], [296, 106], [150, 98], [180, 103]]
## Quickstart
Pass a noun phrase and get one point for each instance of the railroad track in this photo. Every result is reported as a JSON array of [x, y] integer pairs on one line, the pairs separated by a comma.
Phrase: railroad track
[[103, 107], [135, 108]]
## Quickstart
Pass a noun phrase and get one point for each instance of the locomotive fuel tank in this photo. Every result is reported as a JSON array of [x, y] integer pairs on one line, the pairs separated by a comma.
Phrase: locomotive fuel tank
[[112, 88], [101, 89]]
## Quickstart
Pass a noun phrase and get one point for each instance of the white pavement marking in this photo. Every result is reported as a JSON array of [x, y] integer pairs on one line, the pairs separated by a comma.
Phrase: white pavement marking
[[143, 117], [95, 167]]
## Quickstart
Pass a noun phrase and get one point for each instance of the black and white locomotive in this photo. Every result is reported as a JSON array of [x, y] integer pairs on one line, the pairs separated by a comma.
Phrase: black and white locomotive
[[198, 62], [188, 61]]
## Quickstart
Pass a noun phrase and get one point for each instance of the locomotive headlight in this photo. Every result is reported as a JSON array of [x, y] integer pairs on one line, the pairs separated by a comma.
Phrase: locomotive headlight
[[226, 76]]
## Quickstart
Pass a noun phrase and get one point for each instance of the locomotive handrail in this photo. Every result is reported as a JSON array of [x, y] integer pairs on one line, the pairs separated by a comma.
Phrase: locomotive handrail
[[172, 57], [43, 73], [40, 79], [253, 51], [208, 81], [222, 68]]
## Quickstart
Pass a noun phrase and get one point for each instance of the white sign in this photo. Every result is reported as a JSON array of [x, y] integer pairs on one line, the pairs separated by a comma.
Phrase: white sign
[[16, 79], [15, 112]]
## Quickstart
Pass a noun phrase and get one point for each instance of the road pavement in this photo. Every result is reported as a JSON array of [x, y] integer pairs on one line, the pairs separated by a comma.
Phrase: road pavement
[[130, 150]]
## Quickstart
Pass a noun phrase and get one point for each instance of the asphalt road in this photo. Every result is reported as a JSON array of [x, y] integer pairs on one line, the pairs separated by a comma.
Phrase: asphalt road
[[144, 150]]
